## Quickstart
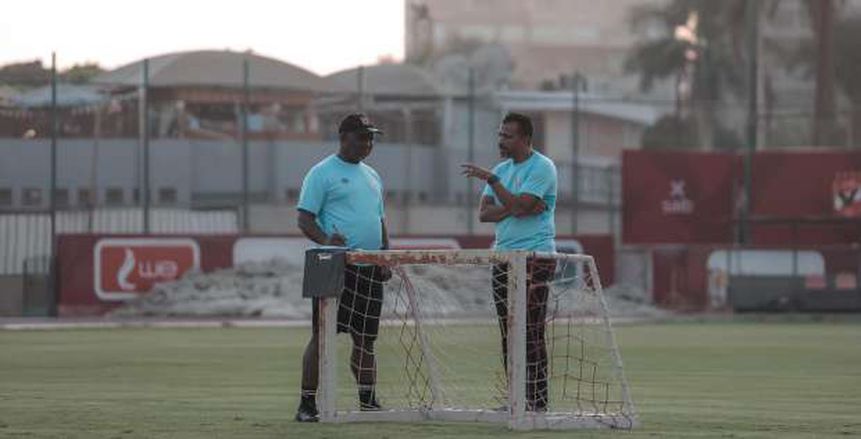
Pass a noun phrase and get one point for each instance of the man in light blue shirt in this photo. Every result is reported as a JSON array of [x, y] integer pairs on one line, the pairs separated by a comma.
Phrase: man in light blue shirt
[[341, 204], [520, 197]]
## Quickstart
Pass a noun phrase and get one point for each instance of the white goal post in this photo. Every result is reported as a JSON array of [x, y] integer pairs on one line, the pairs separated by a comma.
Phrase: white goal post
[[445, 352]]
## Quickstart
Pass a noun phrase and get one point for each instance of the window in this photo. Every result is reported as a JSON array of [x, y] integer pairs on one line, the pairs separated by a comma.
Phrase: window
[[113, 196], [85, 197], [31, 196], [5, 197], [61, 197], [167, 195]]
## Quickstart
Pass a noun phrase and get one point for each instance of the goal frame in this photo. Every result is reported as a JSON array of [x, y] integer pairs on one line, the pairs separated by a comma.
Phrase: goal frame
[[516, 417]]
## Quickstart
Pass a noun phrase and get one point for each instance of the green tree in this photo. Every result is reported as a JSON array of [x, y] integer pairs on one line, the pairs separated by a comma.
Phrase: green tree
[[669, 132], [847, 51], [822, 16], [81, 73], [692, 47], [819, 57], [33, 74], [25, 74]]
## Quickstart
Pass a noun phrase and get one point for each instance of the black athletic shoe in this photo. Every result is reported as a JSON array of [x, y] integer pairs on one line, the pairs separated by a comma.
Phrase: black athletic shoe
[[368, 401], [371, 406], [307, 413]]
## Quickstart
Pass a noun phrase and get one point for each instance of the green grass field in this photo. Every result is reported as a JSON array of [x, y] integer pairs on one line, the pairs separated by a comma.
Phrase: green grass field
[[689, 380]]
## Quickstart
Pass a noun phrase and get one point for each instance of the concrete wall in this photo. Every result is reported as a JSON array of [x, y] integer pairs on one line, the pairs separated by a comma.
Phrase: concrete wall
[[212, 169], [599, 136], [437, 220]]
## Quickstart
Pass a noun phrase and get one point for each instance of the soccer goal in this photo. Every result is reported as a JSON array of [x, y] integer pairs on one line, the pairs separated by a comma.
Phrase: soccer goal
[[519, 338]]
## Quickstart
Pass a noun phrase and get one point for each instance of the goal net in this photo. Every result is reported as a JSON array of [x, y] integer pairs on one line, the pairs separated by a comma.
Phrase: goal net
[[519, 338]]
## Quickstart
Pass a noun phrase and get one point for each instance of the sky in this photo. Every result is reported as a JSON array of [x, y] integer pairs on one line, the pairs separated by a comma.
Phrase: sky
[[322, 36]]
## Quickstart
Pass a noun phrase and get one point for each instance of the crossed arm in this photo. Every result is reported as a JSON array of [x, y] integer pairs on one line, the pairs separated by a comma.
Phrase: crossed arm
[[517, 205], [490, 212]]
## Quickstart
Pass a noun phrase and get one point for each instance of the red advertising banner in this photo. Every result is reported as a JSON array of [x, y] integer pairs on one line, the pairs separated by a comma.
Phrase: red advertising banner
[[796, 197], [98, 273], [796, 194], [800, 183], [677, 197], [128, 267]]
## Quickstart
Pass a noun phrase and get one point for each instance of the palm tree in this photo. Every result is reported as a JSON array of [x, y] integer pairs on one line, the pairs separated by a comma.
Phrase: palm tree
[[847, 48], [822, 22], [816, 55], [695, 50]]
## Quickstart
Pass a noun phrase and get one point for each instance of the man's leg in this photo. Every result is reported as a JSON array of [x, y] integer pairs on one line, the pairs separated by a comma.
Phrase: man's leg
[[540, 271], [307, 411], [310, 363], [364, 367], [500, 300], [363, 330]]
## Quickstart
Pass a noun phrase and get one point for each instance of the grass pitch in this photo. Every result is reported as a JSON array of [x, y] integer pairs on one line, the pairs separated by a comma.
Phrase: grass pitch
[[691, 380]]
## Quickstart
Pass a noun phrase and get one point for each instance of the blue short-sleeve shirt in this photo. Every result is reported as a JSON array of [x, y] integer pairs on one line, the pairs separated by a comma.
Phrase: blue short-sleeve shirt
[[346, 198], [536, 176]]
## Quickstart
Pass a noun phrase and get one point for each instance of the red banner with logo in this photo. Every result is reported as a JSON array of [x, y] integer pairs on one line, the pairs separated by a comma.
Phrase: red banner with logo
[[806, 196], [801, 183], [98, 273], [677, 197], [128, 267]]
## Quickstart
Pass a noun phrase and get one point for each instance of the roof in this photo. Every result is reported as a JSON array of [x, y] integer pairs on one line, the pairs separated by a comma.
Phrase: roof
[[68, 95], [563, 101], [390, 79], [217, 68]]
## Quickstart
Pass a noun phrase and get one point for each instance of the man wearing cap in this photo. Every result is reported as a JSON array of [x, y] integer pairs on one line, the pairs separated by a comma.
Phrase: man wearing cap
[[341, 204]]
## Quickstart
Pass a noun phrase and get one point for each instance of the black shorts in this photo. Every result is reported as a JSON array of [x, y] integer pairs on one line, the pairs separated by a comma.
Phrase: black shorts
[[361, 301]]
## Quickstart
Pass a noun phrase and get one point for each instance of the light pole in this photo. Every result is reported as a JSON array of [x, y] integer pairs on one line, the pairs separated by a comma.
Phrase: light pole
[[470, 158], [752, 47], [143, 105], [243, 126], [578, 84]]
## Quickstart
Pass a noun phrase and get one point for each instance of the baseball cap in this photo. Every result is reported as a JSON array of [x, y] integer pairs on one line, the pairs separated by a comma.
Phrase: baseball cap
[[357, 123]]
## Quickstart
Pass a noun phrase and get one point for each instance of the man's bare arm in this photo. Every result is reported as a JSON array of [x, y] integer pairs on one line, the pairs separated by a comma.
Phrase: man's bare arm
[[308, 225], [519, 205], [490, 212], [385, 234]]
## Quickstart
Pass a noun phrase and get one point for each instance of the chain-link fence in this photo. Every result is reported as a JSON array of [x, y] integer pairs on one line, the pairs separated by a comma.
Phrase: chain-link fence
[[244, 137], [219, 141], [250, 139]]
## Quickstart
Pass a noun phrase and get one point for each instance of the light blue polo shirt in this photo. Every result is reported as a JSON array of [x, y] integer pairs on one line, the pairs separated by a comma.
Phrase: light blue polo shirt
[[536, 176], [346, 198]]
